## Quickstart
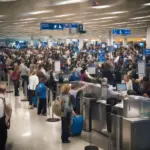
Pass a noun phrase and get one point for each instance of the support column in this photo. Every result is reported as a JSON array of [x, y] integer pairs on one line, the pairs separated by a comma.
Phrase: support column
[[148, 38], [125, 41], [81, 42], [110, 38]]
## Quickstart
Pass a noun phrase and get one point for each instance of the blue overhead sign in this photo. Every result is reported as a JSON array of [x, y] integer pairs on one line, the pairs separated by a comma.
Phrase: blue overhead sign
[[70, 25], [147, 52], [52, 26], [121, 31]]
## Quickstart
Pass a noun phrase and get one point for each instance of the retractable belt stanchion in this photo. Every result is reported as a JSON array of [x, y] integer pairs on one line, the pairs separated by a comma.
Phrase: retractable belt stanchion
[[25, 92], [50, 104], [8, 83]]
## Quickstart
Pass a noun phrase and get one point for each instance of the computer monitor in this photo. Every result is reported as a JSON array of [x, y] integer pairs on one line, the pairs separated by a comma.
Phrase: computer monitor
[[121, 87]]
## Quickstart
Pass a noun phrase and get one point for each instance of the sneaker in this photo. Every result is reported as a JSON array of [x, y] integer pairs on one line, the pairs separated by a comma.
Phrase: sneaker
[[44, 114], [66, 142]]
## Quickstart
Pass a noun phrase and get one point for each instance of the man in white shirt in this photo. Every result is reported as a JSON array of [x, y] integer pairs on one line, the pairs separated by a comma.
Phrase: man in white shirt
[[24, 70], [3, 129]]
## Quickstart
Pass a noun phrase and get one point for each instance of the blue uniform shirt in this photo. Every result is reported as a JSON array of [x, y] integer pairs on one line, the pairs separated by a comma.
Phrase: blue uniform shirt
[[41, 90]]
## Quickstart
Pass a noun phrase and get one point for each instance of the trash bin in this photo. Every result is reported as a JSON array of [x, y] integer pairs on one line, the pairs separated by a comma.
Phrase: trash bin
[[87, 112]]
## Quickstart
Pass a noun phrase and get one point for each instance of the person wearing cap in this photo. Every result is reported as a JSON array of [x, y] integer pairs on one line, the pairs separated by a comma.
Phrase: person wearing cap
[[3, 128]]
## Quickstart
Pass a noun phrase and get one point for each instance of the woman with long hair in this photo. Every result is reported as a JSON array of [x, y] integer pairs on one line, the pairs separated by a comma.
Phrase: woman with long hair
[[15, 78], [67, 109], [33, 82]]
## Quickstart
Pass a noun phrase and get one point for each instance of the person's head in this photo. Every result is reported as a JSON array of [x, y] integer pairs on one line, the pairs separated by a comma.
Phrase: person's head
[[41, 76], [74, 70], [126, 78], [2, 88], [82, 71], [16, 68], [65, 89], [22, 61], [40, 66]]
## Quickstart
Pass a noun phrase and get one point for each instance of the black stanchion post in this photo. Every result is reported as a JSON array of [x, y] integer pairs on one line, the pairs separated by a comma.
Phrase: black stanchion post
[[50, 104], [25, 92]]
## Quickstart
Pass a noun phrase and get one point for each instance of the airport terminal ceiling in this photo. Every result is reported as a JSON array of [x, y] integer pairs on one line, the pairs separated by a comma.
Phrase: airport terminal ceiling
[[23, 17]]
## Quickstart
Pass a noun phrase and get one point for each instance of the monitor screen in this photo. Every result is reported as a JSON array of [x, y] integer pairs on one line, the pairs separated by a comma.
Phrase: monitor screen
[[121, 87], [141, 44]]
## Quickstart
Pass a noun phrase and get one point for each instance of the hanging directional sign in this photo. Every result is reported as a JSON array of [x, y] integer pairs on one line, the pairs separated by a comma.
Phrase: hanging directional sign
[[121, 31], [52, 26]]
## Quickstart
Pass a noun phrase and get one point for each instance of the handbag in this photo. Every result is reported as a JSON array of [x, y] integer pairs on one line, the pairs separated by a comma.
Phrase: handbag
[[14, 76]]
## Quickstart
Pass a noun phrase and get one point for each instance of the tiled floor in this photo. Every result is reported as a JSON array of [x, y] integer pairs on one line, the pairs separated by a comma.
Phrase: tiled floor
[[31, 132]]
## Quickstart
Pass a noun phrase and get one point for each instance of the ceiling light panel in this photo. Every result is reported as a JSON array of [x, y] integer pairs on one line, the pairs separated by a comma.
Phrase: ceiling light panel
[[65, 15], [136, 18], [102, 7], [116, 12], [147, 4], [38, 12], [66, 2], [28, 19], [105, 18], [7, 0]]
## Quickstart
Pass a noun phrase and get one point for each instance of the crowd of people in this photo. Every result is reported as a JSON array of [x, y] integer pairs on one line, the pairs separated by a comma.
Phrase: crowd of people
[[36, 70]]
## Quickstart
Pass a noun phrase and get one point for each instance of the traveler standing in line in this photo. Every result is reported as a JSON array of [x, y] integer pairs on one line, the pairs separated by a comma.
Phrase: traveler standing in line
[[33, 82], [15, 78], [41, 92], [3, 128], [67, 109], [51, 84], [24, 70]]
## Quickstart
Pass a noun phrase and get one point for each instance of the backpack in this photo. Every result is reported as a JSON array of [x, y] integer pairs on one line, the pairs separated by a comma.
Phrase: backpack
[[57, 108], [8, 113]]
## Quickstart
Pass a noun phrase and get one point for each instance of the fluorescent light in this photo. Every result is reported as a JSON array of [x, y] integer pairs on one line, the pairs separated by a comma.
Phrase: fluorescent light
[[140, 20], [90, 22], [139, 27], [7, 0], [135, 24], [105, 18], [116, 12], [140, 17], [86, 12], [28, 19], [121, 23], [23, 22], [65, 15], [147, 4], [70, 2], [40, 12], [102, 6], [52, 20]]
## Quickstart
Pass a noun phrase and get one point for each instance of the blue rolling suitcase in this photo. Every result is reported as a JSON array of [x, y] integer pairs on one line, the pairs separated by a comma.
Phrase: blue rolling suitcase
[[35, 101], [77, 125]]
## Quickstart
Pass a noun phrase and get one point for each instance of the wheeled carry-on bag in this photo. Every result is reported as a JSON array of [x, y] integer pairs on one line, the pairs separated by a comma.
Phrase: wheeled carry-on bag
[[77, 125]]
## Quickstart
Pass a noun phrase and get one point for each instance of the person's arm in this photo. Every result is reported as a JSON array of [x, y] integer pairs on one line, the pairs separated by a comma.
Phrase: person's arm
[[27, 69], [131, 84], [82, 88], [88, 75], [37, 89]]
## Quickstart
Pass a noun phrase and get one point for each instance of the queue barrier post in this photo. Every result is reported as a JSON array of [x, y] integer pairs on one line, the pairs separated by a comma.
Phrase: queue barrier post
[[50, 104], [25, 92]]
